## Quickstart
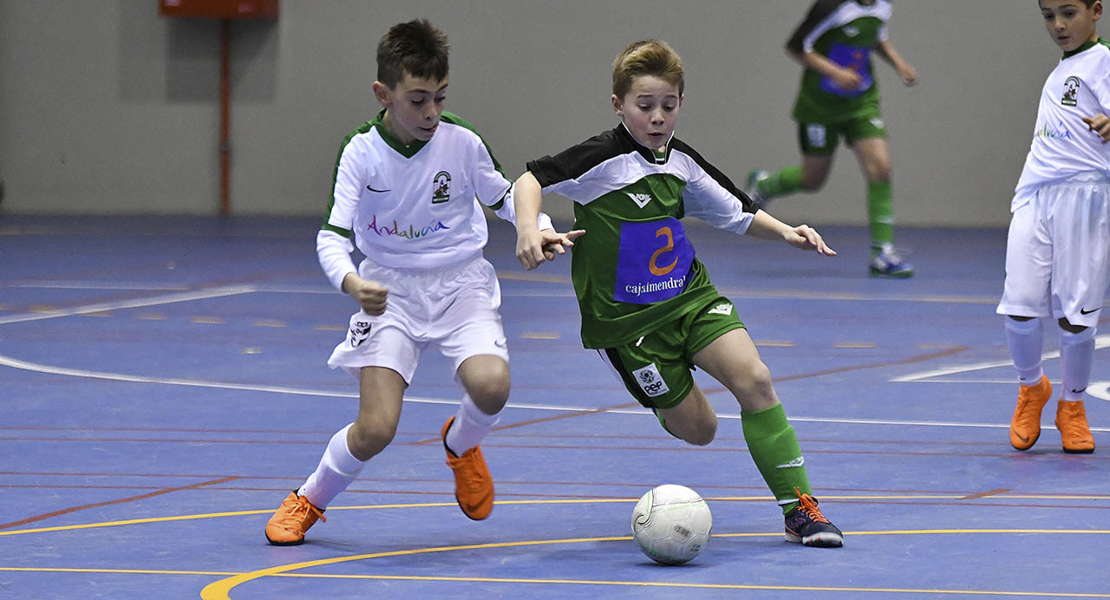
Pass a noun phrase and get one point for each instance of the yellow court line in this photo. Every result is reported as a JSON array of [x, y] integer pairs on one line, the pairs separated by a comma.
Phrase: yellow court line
[[220, 590], [587, 501], [559, 581]]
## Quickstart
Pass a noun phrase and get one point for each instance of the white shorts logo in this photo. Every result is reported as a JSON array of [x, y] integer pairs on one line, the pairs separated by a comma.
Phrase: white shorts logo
[[816, 135], [720, 309], [651, 381], [360, 332]]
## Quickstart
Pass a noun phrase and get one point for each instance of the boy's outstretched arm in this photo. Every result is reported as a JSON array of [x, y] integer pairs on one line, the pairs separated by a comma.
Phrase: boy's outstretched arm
[[803, 237], [844, 78], [905, 70], [1100, 124], [534, 246]]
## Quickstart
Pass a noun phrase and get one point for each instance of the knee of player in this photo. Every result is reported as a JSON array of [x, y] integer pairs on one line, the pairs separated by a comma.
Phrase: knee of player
[[813, 183], [703, 432], [490, 393], [757, 380], [370, 436]]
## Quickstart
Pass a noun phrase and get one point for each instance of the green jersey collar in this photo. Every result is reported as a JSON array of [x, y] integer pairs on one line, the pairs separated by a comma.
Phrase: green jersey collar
[[1086, 46], [407, 151]]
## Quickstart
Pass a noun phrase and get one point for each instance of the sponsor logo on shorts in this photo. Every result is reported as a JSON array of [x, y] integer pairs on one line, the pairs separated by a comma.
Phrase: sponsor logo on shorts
[[651, 381], [360, 331], [1084, 311], [720, 309], [815, 133]]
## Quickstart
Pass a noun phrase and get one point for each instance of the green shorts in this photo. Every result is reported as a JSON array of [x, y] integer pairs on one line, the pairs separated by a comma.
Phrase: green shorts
[[658, 368], [820, 139]]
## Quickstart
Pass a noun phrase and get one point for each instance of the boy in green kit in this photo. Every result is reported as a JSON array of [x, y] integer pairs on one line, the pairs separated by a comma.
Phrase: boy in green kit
[[840, 97]]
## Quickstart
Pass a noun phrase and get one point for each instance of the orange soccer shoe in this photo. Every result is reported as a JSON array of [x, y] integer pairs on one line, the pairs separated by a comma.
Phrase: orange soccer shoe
[[289, 524], [1071, 420], [473, 483], [1025, 427]]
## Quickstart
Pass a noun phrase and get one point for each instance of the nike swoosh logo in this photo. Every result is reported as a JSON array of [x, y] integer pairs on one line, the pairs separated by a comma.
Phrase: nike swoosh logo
[[378, 191], [1084, 311], [1023, 439]]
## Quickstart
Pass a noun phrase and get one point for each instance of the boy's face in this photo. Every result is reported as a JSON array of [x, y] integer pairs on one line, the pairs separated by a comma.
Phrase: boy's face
[[649, 110], [1070, 23], [412, 108]]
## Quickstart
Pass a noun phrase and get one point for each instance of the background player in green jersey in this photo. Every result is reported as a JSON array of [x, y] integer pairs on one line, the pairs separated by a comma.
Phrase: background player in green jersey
[[840, 97], [646, 301]]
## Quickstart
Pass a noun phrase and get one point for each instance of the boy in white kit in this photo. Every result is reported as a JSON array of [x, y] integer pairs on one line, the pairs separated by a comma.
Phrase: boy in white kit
[[409, 185], [1058, 250]]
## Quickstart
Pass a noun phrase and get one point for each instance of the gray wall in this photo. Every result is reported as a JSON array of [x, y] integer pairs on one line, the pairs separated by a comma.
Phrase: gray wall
[[107, 108]]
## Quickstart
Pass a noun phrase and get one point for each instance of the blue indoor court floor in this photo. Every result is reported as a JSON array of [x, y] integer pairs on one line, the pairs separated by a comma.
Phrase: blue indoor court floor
[[163, 387]]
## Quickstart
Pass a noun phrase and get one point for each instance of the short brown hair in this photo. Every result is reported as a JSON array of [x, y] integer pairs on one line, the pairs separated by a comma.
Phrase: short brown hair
[[417, 48], [647, 57]]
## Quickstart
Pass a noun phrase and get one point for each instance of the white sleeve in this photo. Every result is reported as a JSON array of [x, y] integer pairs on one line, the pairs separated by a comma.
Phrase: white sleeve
[[491, 184], [334, 253], [709, 201]]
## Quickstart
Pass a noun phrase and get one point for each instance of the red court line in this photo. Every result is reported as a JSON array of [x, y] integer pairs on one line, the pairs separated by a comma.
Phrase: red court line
[[162, 492]]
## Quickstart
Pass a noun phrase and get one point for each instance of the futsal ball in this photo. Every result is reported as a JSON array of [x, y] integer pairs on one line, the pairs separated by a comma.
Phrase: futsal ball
[[671, 523]]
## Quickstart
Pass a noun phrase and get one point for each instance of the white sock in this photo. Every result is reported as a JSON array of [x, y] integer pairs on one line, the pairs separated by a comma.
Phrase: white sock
[[1077, 352], [471, 426], [1026, 341], [336, 471]]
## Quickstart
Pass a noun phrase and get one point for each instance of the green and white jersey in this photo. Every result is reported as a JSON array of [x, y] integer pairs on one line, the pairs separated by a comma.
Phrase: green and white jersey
[[416, 206], [634, 270], [1063, 146], [846, 32]]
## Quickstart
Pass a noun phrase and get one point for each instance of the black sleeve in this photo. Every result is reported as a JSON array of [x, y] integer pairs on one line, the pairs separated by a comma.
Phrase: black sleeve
[[573, 162], [817, 14]]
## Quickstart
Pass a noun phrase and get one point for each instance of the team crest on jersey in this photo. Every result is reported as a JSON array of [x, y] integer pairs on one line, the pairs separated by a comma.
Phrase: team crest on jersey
[[441, 187], [1071, 92]]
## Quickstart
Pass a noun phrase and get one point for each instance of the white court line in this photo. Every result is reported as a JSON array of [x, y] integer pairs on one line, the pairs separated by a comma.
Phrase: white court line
[[1096, 389], [219, 292], [101, 285], [1101, 341], [277, 389]]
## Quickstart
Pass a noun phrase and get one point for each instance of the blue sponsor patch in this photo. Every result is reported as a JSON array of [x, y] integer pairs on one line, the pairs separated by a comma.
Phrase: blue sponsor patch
[[653, 262]]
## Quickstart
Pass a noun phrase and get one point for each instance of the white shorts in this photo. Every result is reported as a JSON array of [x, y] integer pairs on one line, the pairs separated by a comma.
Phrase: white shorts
[[1058, 253], [454, 309]]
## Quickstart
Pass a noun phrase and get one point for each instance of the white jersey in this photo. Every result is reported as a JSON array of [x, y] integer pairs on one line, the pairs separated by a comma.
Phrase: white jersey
[[1063, 146], [412, 207]]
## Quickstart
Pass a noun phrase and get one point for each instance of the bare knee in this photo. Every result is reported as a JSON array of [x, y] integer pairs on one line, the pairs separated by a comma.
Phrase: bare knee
[[367, 437], [878, 171], [812, 182], [755, 390], [702, 432], [490, 393]]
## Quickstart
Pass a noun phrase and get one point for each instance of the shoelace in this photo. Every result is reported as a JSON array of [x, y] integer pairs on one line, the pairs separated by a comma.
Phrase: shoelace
[[297, 515], [1027, 417], [1071, 425], [471, 476], [809, 506]]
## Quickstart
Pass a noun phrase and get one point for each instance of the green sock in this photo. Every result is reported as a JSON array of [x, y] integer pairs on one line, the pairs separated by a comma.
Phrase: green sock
[[785, 181], [880, 209], [774, 448]]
